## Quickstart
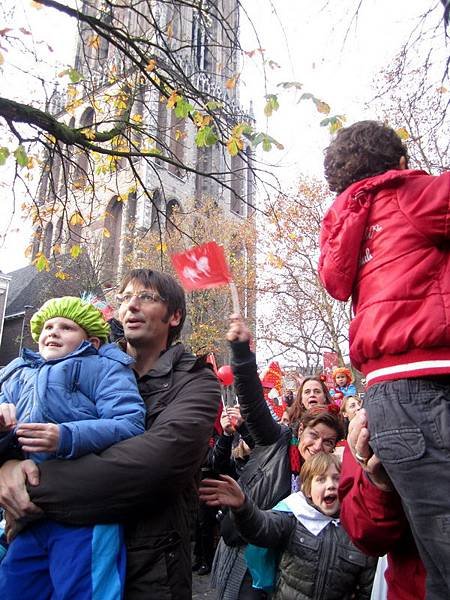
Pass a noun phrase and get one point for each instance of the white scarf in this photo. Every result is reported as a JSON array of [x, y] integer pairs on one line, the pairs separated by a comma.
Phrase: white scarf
[[309, 517]]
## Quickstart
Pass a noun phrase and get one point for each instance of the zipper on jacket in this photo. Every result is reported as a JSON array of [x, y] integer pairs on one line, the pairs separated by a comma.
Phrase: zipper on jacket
[[327, 552]]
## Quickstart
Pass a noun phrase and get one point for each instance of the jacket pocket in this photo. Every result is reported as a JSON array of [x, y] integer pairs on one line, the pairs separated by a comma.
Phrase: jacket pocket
[[155, 567]]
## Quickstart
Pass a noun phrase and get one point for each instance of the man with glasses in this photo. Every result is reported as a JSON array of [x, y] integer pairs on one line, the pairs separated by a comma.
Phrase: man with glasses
[[148, 482]]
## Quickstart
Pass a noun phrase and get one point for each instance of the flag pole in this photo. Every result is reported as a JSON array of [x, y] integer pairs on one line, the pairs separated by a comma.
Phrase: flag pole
[[235, 298]]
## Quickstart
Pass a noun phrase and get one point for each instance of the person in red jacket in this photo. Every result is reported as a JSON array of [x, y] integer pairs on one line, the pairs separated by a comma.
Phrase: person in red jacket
[[385, 241], [372, 515]]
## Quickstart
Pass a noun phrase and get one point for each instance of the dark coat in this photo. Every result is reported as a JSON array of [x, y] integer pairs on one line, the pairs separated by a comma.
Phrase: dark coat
[[148, 481], [266, 478], [323, 567]]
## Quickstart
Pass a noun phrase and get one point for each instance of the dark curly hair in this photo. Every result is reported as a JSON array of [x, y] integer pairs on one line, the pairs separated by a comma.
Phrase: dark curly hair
[[364, 149]]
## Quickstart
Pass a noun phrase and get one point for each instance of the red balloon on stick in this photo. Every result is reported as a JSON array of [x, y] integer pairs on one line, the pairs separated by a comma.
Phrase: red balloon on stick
[[225, 375]]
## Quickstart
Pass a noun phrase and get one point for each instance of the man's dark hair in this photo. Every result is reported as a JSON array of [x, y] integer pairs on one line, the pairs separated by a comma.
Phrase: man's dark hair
[[362, 150], [168, 288]]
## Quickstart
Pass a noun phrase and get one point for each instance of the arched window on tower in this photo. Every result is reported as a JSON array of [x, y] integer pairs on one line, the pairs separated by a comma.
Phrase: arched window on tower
[[81, 169], [47, 241], [157, 217], [112, 238]]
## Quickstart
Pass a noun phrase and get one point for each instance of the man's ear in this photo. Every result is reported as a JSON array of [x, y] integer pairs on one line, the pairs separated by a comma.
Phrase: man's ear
[[95, 341], [403, 164], [175, 319]]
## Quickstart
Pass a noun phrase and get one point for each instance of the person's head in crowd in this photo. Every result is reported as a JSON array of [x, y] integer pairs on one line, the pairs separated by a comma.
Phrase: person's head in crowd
[[312, 392], [62, 324], [289, 398], [285, 417], [320, 481], [342, 376], [152, 305], [350, 406], [362, 150], [319, 430]]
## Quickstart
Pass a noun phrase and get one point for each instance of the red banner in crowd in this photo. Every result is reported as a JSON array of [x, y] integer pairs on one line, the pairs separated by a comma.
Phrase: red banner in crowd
[[330, 362], [202, 267], [273, 377]]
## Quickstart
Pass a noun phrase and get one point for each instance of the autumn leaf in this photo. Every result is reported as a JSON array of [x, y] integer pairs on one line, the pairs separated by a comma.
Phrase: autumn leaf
[[4, 153], [41, 262], [234, 144], [161, 247], [106, 233], [322, 107], [36, 5], [402, 133], [271, 105], [75, 251], [56, 249], [76, 219], [2, 60], [137, 118], [89, 134], [150, 65], [21, 156], [61, 275], [169, 30], [122, 198], [230, 83], [442, 90], [205, 137], [173, 99], [180, 135], [94, 42], [28, 251]]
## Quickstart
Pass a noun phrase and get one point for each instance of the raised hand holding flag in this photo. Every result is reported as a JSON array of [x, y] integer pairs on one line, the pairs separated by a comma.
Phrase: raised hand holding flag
[[204, 267]]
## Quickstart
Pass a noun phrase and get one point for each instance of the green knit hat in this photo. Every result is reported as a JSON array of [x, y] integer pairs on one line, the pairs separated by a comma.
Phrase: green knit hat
[[83, 313]]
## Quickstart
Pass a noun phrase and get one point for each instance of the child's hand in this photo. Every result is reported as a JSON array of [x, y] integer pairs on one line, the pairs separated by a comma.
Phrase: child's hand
[[38, 437], [238, 331], [223, 492], [7, 417]]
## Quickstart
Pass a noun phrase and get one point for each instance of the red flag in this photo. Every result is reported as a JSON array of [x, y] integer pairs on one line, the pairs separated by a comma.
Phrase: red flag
[[202, 267], [273, 377]]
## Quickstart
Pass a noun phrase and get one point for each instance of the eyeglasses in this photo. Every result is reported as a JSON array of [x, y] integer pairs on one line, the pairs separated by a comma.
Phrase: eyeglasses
[[144, 297]]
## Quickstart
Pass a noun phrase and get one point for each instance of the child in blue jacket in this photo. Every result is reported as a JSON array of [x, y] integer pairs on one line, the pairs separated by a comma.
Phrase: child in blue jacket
[[75, 396]]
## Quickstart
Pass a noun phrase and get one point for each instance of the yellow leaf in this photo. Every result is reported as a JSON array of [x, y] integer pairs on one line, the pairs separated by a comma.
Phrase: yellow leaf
[[231, 83], [75, 251], [41, 262], [89, 134], [50, 138], [36, 5], [137, 118], [180, 135], [106, 233], [234, 145], [76, 219], [442, 90], [62, 275], [28, 251], [151, 65], [31, 162], [122, 198], [402, 133], [173, 99], [161, 247], [94, 42], [323, 107]]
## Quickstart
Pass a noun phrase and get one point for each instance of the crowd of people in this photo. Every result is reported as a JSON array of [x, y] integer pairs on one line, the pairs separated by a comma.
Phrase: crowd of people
[[123, 471]]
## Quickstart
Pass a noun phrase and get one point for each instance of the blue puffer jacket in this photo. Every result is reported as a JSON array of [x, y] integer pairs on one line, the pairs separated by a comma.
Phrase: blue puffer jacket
[[91, 393]]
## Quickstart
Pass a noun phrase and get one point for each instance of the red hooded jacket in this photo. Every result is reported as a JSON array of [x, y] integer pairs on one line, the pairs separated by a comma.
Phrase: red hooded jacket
[[376, 524], [385, 242]]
